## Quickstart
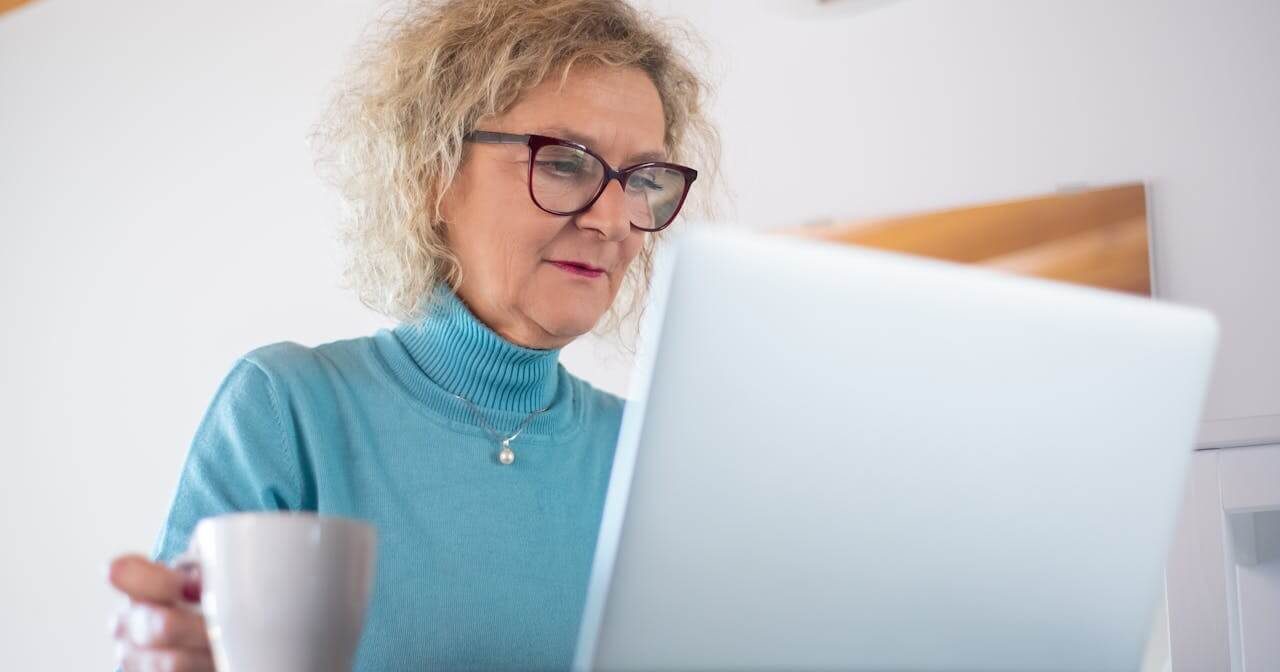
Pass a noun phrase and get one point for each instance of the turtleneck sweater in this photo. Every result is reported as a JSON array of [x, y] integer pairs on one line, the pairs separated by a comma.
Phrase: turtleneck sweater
[[481, 565]]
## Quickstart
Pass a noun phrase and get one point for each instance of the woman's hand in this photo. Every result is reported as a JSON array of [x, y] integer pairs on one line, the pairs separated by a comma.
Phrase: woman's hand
[[155, 631]]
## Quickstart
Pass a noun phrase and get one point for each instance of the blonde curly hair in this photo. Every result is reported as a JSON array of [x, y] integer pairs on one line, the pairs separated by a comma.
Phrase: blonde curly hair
[[392, 141]]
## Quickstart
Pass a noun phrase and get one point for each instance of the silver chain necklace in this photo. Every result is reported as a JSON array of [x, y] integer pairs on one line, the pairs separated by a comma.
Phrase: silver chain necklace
[[505, 454]]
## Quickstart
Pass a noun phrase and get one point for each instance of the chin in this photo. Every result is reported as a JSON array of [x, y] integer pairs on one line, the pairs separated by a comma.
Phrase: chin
[[571, 324]]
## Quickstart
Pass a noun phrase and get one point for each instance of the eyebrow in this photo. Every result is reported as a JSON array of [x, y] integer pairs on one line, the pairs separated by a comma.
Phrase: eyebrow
[[573, 136]]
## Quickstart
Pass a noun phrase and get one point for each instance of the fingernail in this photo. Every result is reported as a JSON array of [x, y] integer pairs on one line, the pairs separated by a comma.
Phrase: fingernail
[[191, 589], [138, 625], [155, 624]]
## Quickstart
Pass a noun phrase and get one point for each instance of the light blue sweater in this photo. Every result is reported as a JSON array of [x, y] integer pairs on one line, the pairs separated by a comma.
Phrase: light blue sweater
[[480, 565]]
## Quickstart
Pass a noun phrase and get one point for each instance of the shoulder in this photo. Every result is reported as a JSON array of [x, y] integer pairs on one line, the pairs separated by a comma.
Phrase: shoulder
[[598, 406], [299, 389], [289, 376], [290, 364]]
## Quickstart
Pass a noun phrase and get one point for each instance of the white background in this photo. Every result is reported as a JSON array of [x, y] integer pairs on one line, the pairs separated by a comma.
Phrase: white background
[[160, 213]]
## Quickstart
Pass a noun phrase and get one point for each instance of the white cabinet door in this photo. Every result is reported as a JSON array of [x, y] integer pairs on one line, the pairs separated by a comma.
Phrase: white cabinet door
[[1223, 576]]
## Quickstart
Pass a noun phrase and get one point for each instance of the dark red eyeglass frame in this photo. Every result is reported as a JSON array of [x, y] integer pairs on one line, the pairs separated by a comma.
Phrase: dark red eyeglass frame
[[535, 142]]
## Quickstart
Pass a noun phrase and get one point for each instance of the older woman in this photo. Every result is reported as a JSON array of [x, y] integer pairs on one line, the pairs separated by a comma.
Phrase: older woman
[[509, 164]]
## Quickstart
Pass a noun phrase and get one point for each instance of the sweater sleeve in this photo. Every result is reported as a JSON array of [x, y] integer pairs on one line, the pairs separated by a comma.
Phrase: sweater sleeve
[[240, 460]]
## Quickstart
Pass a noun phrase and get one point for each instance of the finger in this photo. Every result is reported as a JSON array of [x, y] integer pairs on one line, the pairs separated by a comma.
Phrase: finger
[[133, 659], [159, 627], [145, 581], [118, 623]]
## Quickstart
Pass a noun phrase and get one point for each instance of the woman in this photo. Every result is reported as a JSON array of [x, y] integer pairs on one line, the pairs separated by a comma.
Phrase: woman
[[509, 164]]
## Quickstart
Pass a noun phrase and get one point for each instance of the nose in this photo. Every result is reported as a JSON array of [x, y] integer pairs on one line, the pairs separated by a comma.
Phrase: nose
[[608, 215]]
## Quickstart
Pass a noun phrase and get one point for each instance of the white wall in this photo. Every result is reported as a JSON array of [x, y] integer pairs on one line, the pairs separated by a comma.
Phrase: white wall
[[160, 215], [917, 104]]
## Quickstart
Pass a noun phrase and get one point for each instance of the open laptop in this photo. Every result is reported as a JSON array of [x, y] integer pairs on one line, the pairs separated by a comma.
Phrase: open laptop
[[844, 459]]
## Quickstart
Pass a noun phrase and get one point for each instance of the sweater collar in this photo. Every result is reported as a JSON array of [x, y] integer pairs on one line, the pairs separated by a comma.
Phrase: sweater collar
[[463, 356]]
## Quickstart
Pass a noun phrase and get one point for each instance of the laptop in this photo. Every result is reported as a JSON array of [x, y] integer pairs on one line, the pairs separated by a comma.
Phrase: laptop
[[835, 458]]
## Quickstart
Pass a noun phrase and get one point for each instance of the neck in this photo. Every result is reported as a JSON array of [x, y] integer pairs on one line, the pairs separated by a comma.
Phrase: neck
[[524, 333], [461, 354]]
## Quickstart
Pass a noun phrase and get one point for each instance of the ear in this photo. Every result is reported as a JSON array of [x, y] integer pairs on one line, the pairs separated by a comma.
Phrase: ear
[[449, 198]]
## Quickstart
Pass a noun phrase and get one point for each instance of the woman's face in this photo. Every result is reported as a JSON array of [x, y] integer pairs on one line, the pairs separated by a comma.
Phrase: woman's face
[[508, 247]]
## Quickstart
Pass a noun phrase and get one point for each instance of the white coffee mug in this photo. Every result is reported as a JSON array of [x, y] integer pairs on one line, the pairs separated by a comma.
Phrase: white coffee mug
[[283, 591]]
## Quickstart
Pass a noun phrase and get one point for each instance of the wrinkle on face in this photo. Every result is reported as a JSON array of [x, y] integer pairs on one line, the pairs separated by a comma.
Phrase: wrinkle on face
[[503, 240]]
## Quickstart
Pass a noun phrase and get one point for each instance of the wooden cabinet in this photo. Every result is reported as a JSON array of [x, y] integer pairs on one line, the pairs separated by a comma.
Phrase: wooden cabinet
[[1095, 237], [6, 5]]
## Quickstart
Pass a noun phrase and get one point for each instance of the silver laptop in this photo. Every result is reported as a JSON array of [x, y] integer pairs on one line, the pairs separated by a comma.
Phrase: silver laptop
[[842, 459]]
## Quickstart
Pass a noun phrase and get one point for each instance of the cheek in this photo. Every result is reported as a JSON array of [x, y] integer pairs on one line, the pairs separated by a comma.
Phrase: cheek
[[503, 237], [634, 246], [521, 245], [489, 205], [630, 251]]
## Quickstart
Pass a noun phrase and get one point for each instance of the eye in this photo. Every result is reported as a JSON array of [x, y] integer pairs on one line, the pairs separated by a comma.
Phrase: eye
[[564, 167], [644, 183]]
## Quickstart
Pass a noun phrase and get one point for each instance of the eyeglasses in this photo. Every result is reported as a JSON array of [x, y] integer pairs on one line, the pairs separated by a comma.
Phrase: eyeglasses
[[566, 178]]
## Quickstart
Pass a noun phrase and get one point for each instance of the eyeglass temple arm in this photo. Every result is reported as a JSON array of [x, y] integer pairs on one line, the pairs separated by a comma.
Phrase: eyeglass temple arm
[[498, 138]]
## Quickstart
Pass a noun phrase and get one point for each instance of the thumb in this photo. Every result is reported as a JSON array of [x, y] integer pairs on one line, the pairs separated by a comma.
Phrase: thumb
[[146, 581]]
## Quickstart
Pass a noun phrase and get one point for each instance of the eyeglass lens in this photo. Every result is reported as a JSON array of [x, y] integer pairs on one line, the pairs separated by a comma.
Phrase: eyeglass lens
[[565, 179]]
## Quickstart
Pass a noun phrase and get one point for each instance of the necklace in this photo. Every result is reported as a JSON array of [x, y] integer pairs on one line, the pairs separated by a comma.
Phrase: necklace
[[505, 455]]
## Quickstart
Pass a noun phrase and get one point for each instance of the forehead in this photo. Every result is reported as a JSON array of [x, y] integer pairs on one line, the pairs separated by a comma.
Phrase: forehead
[[616, 111]]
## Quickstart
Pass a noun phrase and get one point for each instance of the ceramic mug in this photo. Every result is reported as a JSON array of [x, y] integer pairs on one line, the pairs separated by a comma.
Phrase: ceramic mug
[[282, 591]]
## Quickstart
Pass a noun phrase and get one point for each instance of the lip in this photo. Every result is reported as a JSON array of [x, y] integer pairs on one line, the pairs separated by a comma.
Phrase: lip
[[578, 268]]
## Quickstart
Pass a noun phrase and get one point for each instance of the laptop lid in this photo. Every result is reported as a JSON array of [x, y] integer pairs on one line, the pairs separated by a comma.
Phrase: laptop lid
[[835, 458]]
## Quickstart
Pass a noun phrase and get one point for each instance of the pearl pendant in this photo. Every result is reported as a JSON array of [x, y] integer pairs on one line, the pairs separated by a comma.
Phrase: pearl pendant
[[506, 455]]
